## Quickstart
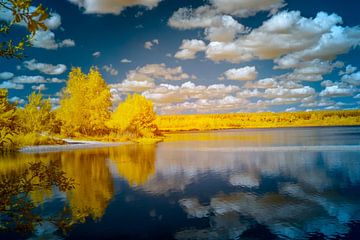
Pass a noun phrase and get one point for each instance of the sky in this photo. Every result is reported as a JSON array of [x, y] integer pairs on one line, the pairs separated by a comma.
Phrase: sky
[[214, 56]]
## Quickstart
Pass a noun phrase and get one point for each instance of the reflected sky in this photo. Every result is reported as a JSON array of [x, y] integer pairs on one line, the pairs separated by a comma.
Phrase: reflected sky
[[172, 190]]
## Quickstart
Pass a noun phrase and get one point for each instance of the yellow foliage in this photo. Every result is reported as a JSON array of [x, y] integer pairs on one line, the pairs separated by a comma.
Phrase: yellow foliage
[[257, 120], [36, 117], [85, 104], [8, 122], [134, 116]]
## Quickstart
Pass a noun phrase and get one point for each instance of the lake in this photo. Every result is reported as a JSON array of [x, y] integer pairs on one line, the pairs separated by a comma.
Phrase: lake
[[233, 184]]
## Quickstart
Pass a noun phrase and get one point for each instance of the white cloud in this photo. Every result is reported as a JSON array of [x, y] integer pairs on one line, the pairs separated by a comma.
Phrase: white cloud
[[45, 67], [166, 93], [46, 40], [28, 79], [246, 8], [150, 44], [225, 29], [231, 52], [54, 21], [262, 83], [348, 70], [55, 80], [228, 103], [281, 92], [353, 78], [96, 54], [111, 70], [39, 87], [290, 109], [243, 74], [336, 91], [6, 75], [286, 36], [189, 48], [249, 93], [11, 85], [151, 72], [125, 60], [112, 6], [131, 86], [67, 43]]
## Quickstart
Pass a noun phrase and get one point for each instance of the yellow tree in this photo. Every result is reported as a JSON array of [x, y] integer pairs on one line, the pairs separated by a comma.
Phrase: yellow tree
[[37, 116], [134, 116], [85, 104], [8, 120]]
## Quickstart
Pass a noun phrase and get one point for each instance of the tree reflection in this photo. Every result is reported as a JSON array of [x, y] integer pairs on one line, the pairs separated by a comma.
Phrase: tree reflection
[[94, 184], [135, 163], [17, 210]]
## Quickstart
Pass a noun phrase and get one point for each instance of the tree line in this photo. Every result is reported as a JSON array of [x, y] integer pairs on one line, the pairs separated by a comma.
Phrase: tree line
[[85, 111]]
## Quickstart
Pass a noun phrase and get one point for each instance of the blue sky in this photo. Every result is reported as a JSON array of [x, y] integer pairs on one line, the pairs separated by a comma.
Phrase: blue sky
[[199, 56]]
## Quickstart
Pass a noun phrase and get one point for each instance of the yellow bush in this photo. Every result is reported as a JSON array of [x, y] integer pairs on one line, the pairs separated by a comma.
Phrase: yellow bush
[[135, 116]]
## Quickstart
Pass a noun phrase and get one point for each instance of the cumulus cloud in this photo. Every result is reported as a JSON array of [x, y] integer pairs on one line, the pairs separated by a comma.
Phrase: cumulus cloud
[[246, 8], [286, 36], [46, 40], [353, 78], [111, 70], [131, 86], [151, 72], [281, 92], [125, 60], [243, 74], [112, 6], [6, 75], [209, 15], [54, 21], [28, 79], [228, 103], [336, 91], [45, 67], [11, 85], [96, 54], [150, 44], [348, 70], [39, 87], [166, 93], [67, 43], [262, 83], [189, 48]]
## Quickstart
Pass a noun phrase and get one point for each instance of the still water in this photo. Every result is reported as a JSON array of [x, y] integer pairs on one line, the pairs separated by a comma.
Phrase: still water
[[200, 186]]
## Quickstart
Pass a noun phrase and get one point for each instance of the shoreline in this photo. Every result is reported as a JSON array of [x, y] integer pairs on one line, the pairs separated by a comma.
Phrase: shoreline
[[73, 145]]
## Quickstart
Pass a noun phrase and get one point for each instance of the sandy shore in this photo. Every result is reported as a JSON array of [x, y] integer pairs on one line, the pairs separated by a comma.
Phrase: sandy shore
[[72, 145]]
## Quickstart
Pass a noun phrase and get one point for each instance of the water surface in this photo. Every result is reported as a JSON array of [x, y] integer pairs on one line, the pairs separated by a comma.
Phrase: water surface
[[198, 186]]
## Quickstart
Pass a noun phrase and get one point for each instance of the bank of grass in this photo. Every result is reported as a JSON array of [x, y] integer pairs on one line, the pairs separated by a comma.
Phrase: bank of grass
[[204, 122], [35, 139]]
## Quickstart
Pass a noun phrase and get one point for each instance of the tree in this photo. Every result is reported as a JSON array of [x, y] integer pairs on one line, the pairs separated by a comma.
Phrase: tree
[[8, 121], [85, 104], [134, 116], [21, 12], [37, 117]]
